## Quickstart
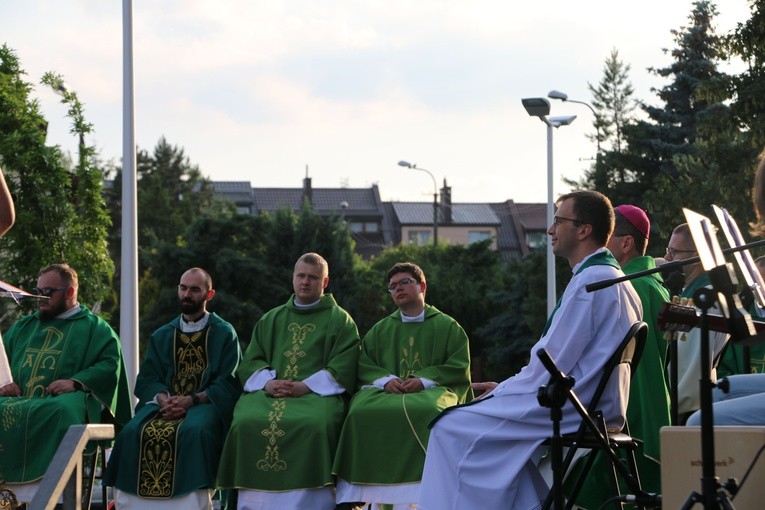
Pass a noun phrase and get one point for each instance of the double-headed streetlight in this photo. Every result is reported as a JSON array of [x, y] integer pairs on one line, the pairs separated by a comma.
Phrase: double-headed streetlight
[[435, 197], [557, 94], [540, 107]]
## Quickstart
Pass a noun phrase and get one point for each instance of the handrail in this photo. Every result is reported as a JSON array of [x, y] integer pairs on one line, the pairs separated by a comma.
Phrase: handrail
[[64, 473]]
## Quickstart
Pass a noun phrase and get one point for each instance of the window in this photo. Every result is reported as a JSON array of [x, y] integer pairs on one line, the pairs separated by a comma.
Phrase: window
[[475, 236], [419, 237], [369, 226], [535, 240]]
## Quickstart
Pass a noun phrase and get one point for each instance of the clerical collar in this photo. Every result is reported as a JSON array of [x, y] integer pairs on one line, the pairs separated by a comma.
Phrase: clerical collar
[[72, 311], [416, 318], [188, 326], [309, 305]]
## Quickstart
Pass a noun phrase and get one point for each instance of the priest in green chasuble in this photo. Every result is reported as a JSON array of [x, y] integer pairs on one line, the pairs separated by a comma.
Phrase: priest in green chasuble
[[413, 364], [67, 369], [298, 373], [167, 456]]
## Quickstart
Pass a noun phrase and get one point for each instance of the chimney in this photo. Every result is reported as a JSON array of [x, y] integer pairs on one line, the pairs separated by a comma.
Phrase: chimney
[[446, 204], [307, 193]]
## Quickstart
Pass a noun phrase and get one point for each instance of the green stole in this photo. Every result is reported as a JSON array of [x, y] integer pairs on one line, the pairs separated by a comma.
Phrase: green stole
[[158, 448], [603, 258]]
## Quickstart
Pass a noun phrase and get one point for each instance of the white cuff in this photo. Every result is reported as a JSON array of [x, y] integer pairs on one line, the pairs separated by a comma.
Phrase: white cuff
[[258, 380]]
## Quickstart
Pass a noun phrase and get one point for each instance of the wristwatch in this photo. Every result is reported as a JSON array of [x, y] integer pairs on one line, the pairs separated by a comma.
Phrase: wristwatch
[[194, 399]]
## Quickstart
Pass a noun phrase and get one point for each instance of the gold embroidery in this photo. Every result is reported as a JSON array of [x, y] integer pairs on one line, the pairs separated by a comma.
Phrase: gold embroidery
[[410, 360], [272, 460], [41, 360], [156, 465], [190, 361], [12, 413], [158, 448]]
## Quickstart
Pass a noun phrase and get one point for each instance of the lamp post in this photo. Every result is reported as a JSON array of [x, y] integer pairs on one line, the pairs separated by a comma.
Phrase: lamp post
[[435, 197], [540, 107], [557, 94]]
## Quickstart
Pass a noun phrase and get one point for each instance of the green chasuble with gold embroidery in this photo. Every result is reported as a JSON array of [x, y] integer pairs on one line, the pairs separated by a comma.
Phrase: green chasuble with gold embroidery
[[157, 458], [285, 444], [385, 435], [83, 348]]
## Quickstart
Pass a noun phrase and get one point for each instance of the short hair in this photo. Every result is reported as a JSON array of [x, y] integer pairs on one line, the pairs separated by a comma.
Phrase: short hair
[[684, 230], [314, 259], [65, 271], [593, 208], [406, 267], [624, 227], [205, 275]]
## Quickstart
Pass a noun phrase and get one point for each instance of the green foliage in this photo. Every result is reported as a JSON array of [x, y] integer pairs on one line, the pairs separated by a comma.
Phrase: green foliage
[[460, 280], [60, 213], [251, 261]]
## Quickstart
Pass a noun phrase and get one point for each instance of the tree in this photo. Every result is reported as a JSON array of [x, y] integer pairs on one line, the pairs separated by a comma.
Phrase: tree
[[689, 135], [613, 106], [171, 194], [251, 260], [61, 214]]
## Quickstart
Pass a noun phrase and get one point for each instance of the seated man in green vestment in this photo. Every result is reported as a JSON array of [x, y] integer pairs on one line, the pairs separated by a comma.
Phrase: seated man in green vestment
[[414, 363], [67, 369], [167, 456], [297, 373]]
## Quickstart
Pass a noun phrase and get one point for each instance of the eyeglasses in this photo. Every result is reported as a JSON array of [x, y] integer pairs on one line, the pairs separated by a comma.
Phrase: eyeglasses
[[557, 220], [403, 282], [672, 251], [47, 291]]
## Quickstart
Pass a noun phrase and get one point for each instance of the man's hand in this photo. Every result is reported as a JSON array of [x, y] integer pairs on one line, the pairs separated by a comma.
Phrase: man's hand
[[10, 390], [60, 386], [483, 387], [175, 407], [395, 386], [413, 385], [283, 388]]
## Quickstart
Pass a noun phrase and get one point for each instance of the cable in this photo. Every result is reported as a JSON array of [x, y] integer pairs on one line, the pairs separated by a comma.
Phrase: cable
[[748, 470]]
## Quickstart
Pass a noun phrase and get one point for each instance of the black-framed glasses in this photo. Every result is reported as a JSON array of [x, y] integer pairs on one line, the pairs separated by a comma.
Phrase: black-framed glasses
[[47, 291], [672, 251], [557, 220], [403, 282]]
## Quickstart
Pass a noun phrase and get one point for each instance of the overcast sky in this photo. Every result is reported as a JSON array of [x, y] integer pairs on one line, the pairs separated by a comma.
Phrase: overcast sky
[[257, 90]]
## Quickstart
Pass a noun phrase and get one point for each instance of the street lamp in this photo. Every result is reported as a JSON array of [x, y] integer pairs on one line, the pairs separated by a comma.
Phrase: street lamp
[[540, 107], [435, 197], [557, 94]]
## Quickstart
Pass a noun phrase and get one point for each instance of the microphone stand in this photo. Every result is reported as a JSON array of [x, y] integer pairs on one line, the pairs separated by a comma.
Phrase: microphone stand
[[669, 266], [712, 494]]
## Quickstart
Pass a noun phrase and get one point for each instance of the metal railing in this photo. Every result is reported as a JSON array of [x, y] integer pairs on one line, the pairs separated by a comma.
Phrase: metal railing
[[64, 474]]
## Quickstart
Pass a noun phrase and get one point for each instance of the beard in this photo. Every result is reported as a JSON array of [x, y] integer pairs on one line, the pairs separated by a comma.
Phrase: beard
[[189, 306], [51, 312]]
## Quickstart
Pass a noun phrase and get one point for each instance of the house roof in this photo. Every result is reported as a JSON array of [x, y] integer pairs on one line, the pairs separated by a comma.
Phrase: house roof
[[236, 191], [325, 200], [421, 213]]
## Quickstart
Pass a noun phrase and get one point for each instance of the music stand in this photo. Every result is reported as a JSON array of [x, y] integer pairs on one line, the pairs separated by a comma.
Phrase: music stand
[[713, 494]]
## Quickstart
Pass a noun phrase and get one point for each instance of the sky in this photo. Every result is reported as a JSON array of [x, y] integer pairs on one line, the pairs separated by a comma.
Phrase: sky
[[341, 90]]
